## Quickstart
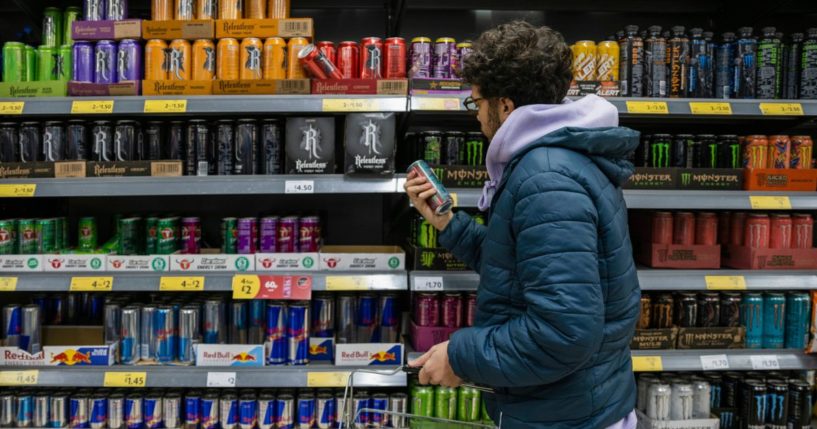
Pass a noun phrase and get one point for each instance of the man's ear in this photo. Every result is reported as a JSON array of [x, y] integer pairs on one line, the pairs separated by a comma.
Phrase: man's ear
[[506, 107]]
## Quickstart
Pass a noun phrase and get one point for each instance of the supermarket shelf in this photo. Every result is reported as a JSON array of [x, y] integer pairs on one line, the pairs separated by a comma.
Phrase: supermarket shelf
[[670, 199], [649, 279], [211, 185], [209, 105], [213, 282], [739, 360], [196, 377]]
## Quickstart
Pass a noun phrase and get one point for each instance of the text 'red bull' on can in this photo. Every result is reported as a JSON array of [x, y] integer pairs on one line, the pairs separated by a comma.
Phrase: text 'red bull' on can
[[209, 411], [276, 333], [298, 334], [441, 202], [99, 412]]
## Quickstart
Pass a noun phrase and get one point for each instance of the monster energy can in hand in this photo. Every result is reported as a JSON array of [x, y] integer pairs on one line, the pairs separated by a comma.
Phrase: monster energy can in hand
[[441, 202]]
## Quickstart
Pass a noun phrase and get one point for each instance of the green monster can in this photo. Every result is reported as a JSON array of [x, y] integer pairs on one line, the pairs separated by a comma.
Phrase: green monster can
[[65, 63], [422, 401], [47, 59], [87, 234], [445, 403], [426, 234], [70, 15], [167, 235], [6, 237], [31, 66], [47, 235], [14, 62], [475, 149], [52, 27], [229, 235], [27, 236], [151, 235], [468, 405], [129, 236]]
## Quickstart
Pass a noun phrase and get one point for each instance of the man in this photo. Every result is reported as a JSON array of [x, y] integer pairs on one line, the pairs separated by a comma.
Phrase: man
[[558, 297]]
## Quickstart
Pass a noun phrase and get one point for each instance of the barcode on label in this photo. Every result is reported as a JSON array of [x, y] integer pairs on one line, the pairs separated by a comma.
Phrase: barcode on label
[[69, 169], [392, 87], [293, 86], [295, 28], [166, 169]]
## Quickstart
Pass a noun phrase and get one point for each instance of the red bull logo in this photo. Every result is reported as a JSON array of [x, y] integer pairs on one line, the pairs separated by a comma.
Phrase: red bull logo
[[71, 357], [244, 357], [318, 350], [384, 357]]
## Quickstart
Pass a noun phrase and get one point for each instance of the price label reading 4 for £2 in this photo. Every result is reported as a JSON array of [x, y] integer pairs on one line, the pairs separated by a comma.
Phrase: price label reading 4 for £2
[[246, 286], [91, 284], [182, 284]]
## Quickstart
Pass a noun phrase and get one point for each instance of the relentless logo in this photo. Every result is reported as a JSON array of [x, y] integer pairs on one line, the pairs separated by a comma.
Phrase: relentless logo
[[370, 138], [237, 26], [475, 152], [427, 259], [209, 59], [373, 60], [110, 170], [58, 71], [167, 86], [92, 9], [185, 8], [311, 141], [118, 146], [660, 154], [48, 145], [22, 91], [103, 64], [209, 8], [176, 63], [253, 62], [101, 144], [122, 61]]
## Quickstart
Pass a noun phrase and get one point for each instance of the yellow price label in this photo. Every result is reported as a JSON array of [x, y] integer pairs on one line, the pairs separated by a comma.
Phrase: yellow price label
[[351, 105], [327, 379], [91, 284], [648, 107], [784, 109], [8, 284], [165, 106], [181, 284], [19, 378], [12, 107], [725, 282], [347, 283], [455, 199], [91, 107], [125, 379], [245, 286], [770, 203], [699, 108], [20, 190], [647, 364], [433, 103]]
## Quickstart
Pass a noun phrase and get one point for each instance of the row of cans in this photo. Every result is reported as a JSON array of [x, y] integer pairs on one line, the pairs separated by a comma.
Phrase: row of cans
[[372, 58], [228, 59], [449, 147], [780, 151], [440, 59], [363, 318], [270, 234], [424, 234], [57, 26], [462, 403], [101, 10], [739, 400], [80, 308], [24, 63], [185, 10], [33, 236], [449, 310], [192, 409], [22, 327], [690, 310], [673, 63], [593, 61], [107, 61]]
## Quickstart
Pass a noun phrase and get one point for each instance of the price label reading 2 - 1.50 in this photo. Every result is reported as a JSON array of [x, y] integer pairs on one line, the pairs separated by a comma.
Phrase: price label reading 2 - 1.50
[[92, 106]]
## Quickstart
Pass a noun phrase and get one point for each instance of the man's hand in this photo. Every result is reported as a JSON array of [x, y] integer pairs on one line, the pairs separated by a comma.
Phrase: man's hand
[[419, 190], [436, 369]]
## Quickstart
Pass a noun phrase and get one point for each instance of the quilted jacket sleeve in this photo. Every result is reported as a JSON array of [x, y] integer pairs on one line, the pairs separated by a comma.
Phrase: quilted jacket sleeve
[[555, 229], [463, 237]]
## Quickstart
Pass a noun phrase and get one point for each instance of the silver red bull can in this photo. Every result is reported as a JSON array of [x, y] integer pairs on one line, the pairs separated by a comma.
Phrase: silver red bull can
[[441, 202]]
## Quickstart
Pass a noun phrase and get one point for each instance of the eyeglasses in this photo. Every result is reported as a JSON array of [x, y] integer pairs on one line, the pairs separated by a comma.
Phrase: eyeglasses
[[472, 104]]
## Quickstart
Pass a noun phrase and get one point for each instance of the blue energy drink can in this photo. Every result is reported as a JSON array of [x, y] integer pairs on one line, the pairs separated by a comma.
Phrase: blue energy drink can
[[192, 405], [129, 343], [99, 412], [247, 411], [746, 64], [266, 410], [133, 412], [441, 202], [164, 328], [752, 315], [152, 408], [228, 411], [276, 333], [78, 415], [323, 310], [12, 324], [325, 411], [298, 334], [774, 320], [366, 319], [798, 315], [284, 413], [24, 410], [189, 323], [238, 331], [257, 322], [379, 401], [725, 66], [209, 411], [214, 322], [306, 410], [362, 418], [388, 318]]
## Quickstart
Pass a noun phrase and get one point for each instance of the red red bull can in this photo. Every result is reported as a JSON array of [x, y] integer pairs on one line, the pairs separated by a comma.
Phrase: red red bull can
[[394, 66], [452, 310], [298, 333], [266, 410], [152, 408], [361, 402], [323, 309], [389, 319], [288, 228], [276, 333], [228, 411], [371, 58], [366, 319], [802, 236], [284, 412], [99, 412], [248, 411], [306, 410], [427, 309], [325, 411], [441, 202], [348, 60], [133, 412], [327, 48], [208, 413], [470, 309]]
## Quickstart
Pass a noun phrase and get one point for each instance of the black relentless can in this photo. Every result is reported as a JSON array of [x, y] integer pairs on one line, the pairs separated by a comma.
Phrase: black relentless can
[[76, 141], [272, 147], [655, 62], [30, 145], [224, 147], [679, 157], [9, 142], [246, 136], [792, 62], [730, 392], [777, 404], [709, 151], [102, 138], [53, 141], [709, 310], [730, 309], [662, 311], [453, 149], [799, 404], [124, 141], [198, 136], [660, 150], [730, 155], [642, 152], [175, 142], [686, 310], [154, 139], [753, 403]]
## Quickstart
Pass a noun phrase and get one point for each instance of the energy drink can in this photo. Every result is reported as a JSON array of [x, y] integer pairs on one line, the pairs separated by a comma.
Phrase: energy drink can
[[237, 333], [152, 408], [801, 152], [207, 9], [730, 154], [730, 304], [774, 320], [164, 328], [203, 59], [306, 410], [129, 344], [757, 231], [681, 407], [228, 411], [156, 59], [345, 319], [398, 405], [78, 414], [316, 64], [323, 311], [779, 152], [662, 311], [366, 319], [278, 9], [230, 9], [257, 322], [420, 58], [769, 65], [798, 313], [802, 231], [40, 415], [171, 410], [103, 147], [780, 231], [799, 404], [184, 10], [99, 411], [228, 58], [162, 10], [427, 309], [746, 64], [309, 236], [268, 234], [105, 62], [214, 320], [808, 70], [48, 69], [266, 410], [679, 150], [189, 336], [229, 235], [31, 66], [209, 411], [453, 149], [348, 59], [709, 310], [756, 152], [379, 404], [284, 412], [147, 340], [700, 66], [371, 57], [129, 60], [192, 407], [474, 149], [468, 404], [277, 333], [274, 58], [451, 310], [294, 68], [325, 411], [422, 400], [288, 231], [191, 235], [93, 10], [660, 148], [361, 401], [777, 403], [201, 156], [9, 142], [250, 59], [607, 58], [31, 149], [725, 66], [246, 137], [247, 235], [655, 64], [116, 10], [125, 142], [632, 63], [678, 61], [76, 143], [224, 148], [14, 62], [686, 310], [792, 64], [179, 60], [584, 60], [432, 142], [445, 402], [57, 411], [394, 64], [298, 334], [271, 147], [30, 325], [659, 401], [248, 411], [441, 202], [151, 235], [52, 27], [753, 313]]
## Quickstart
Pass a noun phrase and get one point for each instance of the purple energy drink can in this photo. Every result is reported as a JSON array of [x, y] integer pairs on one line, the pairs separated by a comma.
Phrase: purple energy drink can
[[94, 10], [309, 234], [444, 51], [288, 235], [284, 413], [191, 235], [298, 333], [133, 412], [105, 62], [266, 410], [276, 333], [420, 66], [128, 59], [116, 10], [209, 411], [306, 410], [83, 62], [269, 234], [247, 235]]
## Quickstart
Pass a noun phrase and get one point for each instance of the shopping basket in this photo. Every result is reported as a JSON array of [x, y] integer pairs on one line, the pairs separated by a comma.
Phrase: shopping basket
[[347, 418]]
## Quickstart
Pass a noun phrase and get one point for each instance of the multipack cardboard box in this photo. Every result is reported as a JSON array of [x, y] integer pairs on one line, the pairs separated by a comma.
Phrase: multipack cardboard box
[[321, 349], [211, 262], [64, 346], [85, 89], [770, 259], [21, 263], [134, 168], [128, 263], [27, 170], [368, 354], [369, 144], [768, 179], [595, 87], [362, 258], [310, 145], [711, 338], [252, 355], [107, 30], [286, 262], [177, 87], [654, 339], [680, 256], [360, 86], [435, 259], [33, 89], [723, 179], [645, 422], [263, 28], [261, 87], [451, 87], [170, 30]]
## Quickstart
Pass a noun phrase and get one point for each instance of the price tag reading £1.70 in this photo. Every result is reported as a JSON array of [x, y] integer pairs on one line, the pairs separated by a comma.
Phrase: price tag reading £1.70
[[764, 363], [714, 362], [428, 283]]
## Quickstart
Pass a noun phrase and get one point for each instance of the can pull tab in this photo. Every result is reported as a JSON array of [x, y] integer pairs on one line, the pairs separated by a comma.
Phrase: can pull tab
[[414, 370]]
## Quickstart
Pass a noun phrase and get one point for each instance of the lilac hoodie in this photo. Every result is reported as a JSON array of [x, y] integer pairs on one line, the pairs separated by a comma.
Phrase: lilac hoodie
[[527, 124]]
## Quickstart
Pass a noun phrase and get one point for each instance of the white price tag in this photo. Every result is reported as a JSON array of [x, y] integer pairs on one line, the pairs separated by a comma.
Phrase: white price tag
[[220, 379], [765, 362], [428, 283], [299, 187], [715, 362]]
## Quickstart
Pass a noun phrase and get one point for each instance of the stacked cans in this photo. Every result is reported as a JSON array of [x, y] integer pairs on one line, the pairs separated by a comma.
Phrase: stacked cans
[[440, 59], [690, 310], [185, 10], [778, 152], [107, 61], [28, 236], [595, 62], [270, 234], [101, 10], [363, 318], [449, 147], [685, 228], [449, 310], [80, 308], [372, 58], [51, 61], [463, 404], [22, 327], [763, 231]]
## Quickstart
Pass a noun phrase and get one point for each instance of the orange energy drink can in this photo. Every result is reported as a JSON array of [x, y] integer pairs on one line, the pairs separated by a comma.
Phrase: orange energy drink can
[[278, 9], [756, 152], [294, 68], [229, 9], [206, 9], [584, 60], [179, 56], [227, 59], [204, 60], [607, 62], [779, 152], [183, 10], [255, 9], [161, 10], [275, 58], [250, 66], [801, 150], [156, 60]]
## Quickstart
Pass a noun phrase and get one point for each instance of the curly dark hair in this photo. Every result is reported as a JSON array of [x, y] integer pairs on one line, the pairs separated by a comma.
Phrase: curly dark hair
[[516, 60]]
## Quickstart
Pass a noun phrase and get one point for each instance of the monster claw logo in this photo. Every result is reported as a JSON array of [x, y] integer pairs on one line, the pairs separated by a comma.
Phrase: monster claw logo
[[370, 138], [474, 152], [311, 141], [209, 59], [713, 155], [439, 172], [253, 60], [734, 155], [103, 64], [427, 259], [660, 154], [427, 235], [686, 178], [761, 406]]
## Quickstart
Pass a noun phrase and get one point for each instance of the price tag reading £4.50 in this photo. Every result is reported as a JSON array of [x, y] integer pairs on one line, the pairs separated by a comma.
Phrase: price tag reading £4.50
[[299, 187]]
